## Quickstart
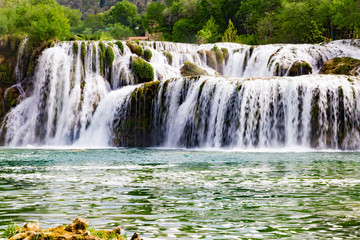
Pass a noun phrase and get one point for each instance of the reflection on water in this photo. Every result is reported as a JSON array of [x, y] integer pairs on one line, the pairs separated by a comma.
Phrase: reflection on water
[[167, 194]]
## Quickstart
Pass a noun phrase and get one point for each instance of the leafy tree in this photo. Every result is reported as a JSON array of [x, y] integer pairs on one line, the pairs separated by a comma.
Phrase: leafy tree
[[123, 12], [230, 33], [209, 33], [346, 15], [184, 31], [154, 15]]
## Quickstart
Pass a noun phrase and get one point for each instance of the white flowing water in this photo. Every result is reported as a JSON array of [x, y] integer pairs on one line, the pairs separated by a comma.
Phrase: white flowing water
[[77, 95], [19, 63]]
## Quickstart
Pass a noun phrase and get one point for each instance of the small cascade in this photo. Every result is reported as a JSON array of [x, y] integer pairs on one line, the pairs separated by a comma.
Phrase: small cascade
[[19, 61], [85, 93]]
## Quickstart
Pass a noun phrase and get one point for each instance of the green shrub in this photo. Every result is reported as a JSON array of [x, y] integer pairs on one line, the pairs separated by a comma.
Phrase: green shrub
[[143, 71], [147, 55]]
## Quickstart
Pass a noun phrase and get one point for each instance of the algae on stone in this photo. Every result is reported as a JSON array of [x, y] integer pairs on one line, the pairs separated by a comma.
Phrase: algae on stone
[[147, 55], [120, 45], [299, 68]]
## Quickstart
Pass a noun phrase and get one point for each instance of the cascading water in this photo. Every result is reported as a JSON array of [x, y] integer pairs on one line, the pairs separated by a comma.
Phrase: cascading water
[[79, 98]]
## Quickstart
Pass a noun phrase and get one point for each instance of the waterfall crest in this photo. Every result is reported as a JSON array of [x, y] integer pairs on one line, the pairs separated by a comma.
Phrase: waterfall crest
[[85, 94]]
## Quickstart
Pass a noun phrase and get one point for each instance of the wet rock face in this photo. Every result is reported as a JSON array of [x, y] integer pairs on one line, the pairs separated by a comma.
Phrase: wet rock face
[[345, 66]]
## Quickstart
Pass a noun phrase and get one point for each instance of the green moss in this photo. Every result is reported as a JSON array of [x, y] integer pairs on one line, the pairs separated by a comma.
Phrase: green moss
[[102, 57], [143, 71], [83, 52], [219, 55], [239, 87], [121, 46], [251, 51], [169, 57], [300, 68], [225, 53], [111, 44], [147, 55], [346, 66], [136, 49], [191, 69], [110, 55], [211, 59]]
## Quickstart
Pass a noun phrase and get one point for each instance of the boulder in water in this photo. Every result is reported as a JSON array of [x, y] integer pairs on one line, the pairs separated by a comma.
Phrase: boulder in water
[[300, 68], [79, 224], [191, 69], [345, 66], [136, 237]]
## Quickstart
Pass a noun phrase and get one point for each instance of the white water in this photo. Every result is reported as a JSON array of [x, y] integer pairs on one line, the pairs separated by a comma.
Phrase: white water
[[19, 63], [74, 103]]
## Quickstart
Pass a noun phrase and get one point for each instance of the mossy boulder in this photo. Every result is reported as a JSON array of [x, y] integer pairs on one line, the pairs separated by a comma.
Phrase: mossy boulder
[[75, 47], [83, 52], [211, 59], [110, 56], [121, 46], [191, 69], [169, 57], [147, 55], [225, 53], [135, 48], [11, 98], [346, 66], [300, 68], [142, 70]]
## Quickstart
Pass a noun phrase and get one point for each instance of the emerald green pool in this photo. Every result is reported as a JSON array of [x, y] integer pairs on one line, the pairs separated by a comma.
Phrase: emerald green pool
[[165, 194]]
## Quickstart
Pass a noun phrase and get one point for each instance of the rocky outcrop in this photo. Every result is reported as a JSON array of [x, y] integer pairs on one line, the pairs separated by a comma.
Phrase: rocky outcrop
[[345, 66], [78, 229]]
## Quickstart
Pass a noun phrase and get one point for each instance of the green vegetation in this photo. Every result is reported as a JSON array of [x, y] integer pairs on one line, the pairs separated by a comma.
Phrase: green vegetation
[[10, 231], [143, 71], [121, 46], [346, 66], [135, 48], [201, 21], [110, 55], [191, 69], [147, 55]]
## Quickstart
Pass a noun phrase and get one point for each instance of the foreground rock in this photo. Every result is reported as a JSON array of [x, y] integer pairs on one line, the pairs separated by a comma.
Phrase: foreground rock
[[346, 66], [78, 230]]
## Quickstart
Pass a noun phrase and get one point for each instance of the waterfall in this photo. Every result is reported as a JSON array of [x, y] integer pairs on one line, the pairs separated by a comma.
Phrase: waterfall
[[19, 64], [82, 97]]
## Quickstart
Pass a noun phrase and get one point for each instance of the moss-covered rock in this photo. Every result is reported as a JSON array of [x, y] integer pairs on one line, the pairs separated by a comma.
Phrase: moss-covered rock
[[83, 52], [169, 57], [346, 66], [121, 46], [102, 55], [32, 231], [11, 98], [110, 56], [135, 48], [142, 70], [75, 47], [300, 68], [147, 55], [219, 55], [135, 127], [211, 59], [225, 53], [191, 69]]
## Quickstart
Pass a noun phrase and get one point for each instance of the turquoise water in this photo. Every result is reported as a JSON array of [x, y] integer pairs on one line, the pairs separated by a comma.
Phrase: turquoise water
[[167, 194]]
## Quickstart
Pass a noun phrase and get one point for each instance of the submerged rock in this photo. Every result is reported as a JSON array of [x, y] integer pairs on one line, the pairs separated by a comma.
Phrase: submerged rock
[[346, 66]]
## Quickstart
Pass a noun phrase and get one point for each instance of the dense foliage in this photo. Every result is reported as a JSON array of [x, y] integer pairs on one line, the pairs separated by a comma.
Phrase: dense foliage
[[201, 21]]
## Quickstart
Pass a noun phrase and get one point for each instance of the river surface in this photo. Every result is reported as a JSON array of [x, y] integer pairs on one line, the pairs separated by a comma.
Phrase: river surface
[[166, 194]]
